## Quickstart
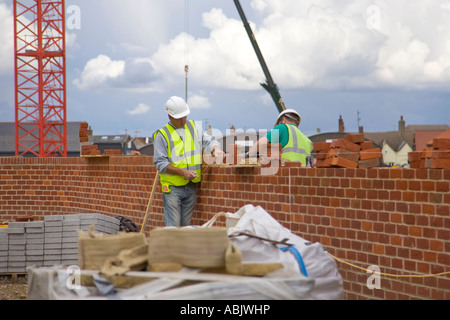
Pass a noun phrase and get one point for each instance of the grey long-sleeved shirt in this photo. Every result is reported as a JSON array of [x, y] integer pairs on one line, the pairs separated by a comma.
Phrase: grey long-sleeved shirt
[[160, 147]]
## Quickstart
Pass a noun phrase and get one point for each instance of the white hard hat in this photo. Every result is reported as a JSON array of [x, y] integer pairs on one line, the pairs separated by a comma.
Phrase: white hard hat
[[177, 108], [290, 113]]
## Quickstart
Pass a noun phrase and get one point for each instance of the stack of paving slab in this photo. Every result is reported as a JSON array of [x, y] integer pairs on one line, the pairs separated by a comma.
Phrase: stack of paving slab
[[53, 241]]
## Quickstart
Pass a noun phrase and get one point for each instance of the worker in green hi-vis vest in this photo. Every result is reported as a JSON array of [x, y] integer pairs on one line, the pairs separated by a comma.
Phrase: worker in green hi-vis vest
[[296, 146], [178, 150]]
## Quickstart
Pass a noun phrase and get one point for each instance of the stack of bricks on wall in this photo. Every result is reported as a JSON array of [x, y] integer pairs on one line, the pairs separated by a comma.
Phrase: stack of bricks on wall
[[351, 152], [53, 241], [88, 149], [435, 156]]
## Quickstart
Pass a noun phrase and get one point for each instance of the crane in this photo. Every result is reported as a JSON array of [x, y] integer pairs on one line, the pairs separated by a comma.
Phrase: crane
[[269, 85], [40, 78]]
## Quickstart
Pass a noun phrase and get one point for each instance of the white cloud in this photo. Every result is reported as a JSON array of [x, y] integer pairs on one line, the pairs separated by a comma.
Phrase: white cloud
[[6, 40], [198, 102], [141, 108], [98, 71], [306, 44]]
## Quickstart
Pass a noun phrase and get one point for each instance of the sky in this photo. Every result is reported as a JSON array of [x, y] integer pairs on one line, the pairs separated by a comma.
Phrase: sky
[[371, 61]]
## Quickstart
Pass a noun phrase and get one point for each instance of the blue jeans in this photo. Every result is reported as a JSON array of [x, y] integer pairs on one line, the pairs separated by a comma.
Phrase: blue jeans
[[179, 205]]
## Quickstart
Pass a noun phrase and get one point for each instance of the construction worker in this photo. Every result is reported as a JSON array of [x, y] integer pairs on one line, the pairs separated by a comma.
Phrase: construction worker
[[296, 146], [178, 150]]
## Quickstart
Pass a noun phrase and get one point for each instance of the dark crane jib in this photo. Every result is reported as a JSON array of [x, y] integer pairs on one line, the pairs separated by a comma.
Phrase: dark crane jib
[[270, 85]]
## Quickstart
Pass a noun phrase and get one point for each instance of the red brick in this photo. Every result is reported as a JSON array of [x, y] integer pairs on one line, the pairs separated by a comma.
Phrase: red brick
[[343, 163], [321, 155], [366, 145], [369, 163], [321, 146], [428, 209], [441, 154], [441, 143], [414, 156], [370, 154], [427, 153], [342, 143], [355, 137], [440, 164]]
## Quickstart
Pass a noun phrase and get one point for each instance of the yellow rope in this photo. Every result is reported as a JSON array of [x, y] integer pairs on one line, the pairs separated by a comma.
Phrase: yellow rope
[[392, 275]]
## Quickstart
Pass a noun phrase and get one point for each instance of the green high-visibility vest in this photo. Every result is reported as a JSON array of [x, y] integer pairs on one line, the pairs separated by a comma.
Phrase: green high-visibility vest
[[185, 154], [298, 148]]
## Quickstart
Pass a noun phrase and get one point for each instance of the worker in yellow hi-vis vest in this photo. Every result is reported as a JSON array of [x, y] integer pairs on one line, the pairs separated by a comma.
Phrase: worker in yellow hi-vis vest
[[178, 150], [296, 146]]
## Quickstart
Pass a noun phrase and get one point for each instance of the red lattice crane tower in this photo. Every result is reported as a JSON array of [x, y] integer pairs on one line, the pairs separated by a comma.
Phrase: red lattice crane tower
[[40, 78]]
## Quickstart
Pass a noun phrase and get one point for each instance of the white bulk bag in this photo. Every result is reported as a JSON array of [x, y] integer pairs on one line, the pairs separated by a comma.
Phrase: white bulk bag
[[320, 266]]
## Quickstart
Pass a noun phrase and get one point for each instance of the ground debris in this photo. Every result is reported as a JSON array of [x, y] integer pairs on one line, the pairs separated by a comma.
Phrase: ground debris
[[13, 289]]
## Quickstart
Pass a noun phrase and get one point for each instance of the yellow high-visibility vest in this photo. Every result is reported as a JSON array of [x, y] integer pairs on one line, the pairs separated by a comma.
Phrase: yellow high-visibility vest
[[185, 154], [298, 148]]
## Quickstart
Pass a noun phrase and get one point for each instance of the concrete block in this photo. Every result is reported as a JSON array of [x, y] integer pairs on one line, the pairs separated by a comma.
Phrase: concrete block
[[18, 258], [52, 257], [53, 240], [70, 251], [53, 229], [53, 235], [34, 224], [35, 258], [34, 230], [34, 247], [74, 224], [70, 245], [18, 241], [16, 248], [53, 218], [20, 269], [52, 246], [70, 234], [31, 242], [35, 236], [34, 252], [16, 230], [16, 225], [70, 239], [52, 252]]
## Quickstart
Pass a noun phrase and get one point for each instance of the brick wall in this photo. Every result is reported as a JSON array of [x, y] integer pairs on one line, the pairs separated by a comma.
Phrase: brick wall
[[396, 219]]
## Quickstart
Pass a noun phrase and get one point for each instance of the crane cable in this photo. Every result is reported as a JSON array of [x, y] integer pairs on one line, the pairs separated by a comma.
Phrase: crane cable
[[186, 53], [389, 274]]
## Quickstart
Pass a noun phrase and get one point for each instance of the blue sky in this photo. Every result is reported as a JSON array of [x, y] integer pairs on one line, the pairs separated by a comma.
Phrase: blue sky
[[381, 58]]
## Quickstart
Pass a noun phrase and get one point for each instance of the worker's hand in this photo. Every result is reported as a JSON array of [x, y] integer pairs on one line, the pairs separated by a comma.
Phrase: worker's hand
[[190, 175]]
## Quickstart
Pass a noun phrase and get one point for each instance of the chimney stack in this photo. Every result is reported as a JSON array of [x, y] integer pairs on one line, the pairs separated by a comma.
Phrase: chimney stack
[[401, 128], [341, 124]]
